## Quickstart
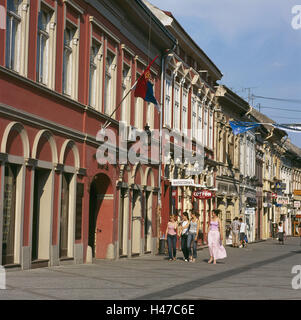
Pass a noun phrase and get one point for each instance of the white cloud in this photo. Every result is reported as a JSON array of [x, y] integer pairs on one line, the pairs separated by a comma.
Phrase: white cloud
[[277, 64]]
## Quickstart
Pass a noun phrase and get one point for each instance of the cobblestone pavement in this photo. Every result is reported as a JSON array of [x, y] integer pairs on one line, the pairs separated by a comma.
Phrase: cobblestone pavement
[[261, 271]]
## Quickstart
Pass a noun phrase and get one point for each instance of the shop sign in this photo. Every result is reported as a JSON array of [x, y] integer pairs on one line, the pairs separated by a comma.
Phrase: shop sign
[[182, 182], [204, 194], [250, 211], [282, 200], [297, 192], [278, 185], [297, 204]]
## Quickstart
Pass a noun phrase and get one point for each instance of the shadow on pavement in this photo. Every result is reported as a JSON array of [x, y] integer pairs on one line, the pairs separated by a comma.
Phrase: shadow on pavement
[[196, 283]]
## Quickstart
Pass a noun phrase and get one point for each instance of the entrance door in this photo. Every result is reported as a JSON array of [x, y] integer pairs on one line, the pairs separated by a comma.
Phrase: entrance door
[[295, 229], [148, 222], [64, 219], [123, 222], [9, 217], [41, 220], [259, 224], [101, 216], [136, 222]]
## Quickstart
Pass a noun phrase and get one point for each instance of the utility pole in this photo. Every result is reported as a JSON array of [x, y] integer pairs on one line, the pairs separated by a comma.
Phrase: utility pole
[[250, 96]]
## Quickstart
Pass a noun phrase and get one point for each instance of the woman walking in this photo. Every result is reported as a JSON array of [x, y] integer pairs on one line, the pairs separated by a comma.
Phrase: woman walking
[[215, 238], [280, 233], [184, 235], [193, 237], [171, 235]]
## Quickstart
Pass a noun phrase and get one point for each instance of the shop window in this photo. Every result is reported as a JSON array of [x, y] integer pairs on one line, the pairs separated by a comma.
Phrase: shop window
[[79, 205], [9, 208], [64, 219]]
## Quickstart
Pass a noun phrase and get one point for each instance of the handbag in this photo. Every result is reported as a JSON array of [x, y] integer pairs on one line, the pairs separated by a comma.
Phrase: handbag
[[200, 235]]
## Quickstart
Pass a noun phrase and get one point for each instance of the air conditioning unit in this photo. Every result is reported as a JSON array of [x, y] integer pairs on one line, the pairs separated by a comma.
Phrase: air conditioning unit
[[131, 133]]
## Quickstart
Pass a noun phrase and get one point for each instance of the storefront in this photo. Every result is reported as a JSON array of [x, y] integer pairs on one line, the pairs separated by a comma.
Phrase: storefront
[[250, 210], [250, 222], [296, 220], [296, 214]]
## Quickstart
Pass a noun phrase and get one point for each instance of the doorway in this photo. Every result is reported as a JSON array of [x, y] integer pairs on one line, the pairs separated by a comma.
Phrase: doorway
[[148, 222], [41, 221], [136, 222], [64, 218], [123, 222], [101, 209]]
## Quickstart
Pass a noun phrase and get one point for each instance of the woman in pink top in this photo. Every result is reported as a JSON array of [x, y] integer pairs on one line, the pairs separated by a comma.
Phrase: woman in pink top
[[215, 238], [171, 235]]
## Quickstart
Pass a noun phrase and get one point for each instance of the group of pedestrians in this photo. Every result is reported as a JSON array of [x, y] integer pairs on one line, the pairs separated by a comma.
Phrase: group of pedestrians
[[188, 230], [239, 228]]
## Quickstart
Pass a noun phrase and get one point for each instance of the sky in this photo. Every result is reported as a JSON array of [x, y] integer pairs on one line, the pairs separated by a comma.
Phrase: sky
[[254, 45]]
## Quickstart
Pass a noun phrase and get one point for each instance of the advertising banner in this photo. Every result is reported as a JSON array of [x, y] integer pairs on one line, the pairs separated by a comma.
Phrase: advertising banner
[[204, 194]]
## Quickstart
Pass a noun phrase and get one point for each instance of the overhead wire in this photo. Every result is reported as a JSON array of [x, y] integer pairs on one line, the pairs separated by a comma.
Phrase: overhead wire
[[282, 109], [278, 99]]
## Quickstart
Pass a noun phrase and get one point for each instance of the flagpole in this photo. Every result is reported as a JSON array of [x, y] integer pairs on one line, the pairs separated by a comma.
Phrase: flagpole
[[107, 123]]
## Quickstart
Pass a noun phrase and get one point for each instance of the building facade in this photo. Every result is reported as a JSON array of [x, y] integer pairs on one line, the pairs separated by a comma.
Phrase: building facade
[[291, 176], [231, 107], [271, 150], [189, 108], [64, 66]]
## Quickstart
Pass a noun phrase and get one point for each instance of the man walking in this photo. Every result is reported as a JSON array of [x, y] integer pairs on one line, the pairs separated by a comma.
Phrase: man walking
[[235, 230], [242, 233]]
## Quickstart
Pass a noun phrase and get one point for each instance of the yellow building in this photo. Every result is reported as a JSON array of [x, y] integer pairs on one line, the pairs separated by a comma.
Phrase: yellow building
[[227, 154], [273, 150]]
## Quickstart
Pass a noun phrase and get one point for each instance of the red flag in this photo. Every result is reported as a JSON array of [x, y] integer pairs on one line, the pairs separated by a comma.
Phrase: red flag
[[144, 88]]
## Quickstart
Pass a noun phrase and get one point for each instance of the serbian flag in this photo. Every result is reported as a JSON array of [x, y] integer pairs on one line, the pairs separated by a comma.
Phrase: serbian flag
[[144, 88]]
